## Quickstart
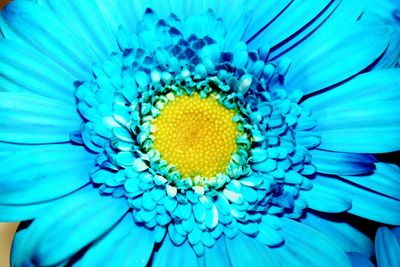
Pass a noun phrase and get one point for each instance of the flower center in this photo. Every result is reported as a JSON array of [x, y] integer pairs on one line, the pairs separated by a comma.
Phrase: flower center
[[197, 135]]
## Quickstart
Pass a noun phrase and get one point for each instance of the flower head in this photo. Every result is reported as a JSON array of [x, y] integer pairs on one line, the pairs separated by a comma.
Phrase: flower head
[[209, 133]]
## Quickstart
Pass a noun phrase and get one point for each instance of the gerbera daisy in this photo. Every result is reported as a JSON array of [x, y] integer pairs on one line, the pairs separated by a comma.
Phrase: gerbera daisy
[[196, 133]]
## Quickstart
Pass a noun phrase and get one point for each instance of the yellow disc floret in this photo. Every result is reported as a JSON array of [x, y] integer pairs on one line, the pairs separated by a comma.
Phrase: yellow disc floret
[[197, 135]]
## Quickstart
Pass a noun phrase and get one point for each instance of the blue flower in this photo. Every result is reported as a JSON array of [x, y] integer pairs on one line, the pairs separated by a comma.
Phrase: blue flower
[[201, 133]]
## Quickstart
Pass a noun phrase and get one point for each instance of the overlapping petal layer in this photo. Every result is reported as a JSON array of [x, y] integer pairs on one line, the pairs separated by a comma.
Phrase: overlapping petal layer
[[311, 97]]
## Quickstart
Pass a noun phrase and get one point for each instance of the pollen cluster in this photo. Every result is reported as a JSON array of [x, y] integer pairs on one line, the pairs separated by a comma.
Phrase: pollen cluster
[[197, 135]]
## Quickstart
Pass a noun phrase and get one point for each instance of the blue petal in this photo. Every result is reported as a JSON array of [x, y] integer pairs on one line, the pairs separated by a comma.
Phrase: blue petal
[[17, 213], [18, 256], [342, 163], [236, 32], [323, 198], [365, 203], [264, 13], [175, 256], [307, 30], [95, 31], [336, 59], [359, 260], [31, 71], [360, 128], [246, 251], [28, 22], [316, 249], [348, 237], [82, 217], [127, 244], [344, 15], [32, 119], [384, 180], [41, 173], [217, 255], [364, 88], [289, 22], [392, 54], [387, 247]]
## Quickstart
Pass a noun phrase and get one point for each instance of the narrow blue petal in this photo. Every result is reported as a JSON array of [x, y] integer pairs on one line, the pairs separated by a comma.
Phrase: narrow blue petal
[[345, 235], [360, 127], [264, 13], [342, 163], [364, 88], [33, 119], [343, 17], [392, 54], [34, 72], [41, 173], [387, 247], [357, 115], [217, 255], [269, 235], [47, 245], [95, 31], [175, 256], [18, 256], [362, 140], [323, 198], [306, 30], [365, 203], [290, 21], [42, 30], [336, 59], [236, 32], [359, 260], [384, 180], [316, 249], [127, 244], [246, 251], [17, 213]]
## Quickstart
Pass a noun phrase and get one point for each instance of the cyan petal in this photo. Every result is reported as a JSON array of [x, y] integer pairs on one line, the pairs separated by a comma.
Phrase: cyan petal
[[247, 251], [359, 260], [323, 198], [364, 88], [357, 115], [127, 244], [33, 72], [32, 119], [17, 213], [338, 163], [360, 128], [336, 59], [316, 251], [344, 15], [29, 22], [296, 16], [345, 235], [365, 203], [391, 56], [264, 12], [217, 255], [306, 31], [384, 180], [41, 173], [170, 255], [96, 31], [387, 247], [99, 214], [18, 256]]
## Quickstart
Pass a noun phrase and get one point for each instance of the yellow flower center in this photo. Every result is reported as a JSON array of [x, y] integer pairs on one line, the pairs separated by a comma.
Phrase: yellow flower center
[[197, 135]]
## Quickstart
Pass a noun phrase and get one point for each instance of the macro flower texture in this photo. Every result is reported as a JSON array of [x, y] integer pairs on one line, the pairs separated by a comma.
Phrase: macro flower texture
[[200, 132]]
